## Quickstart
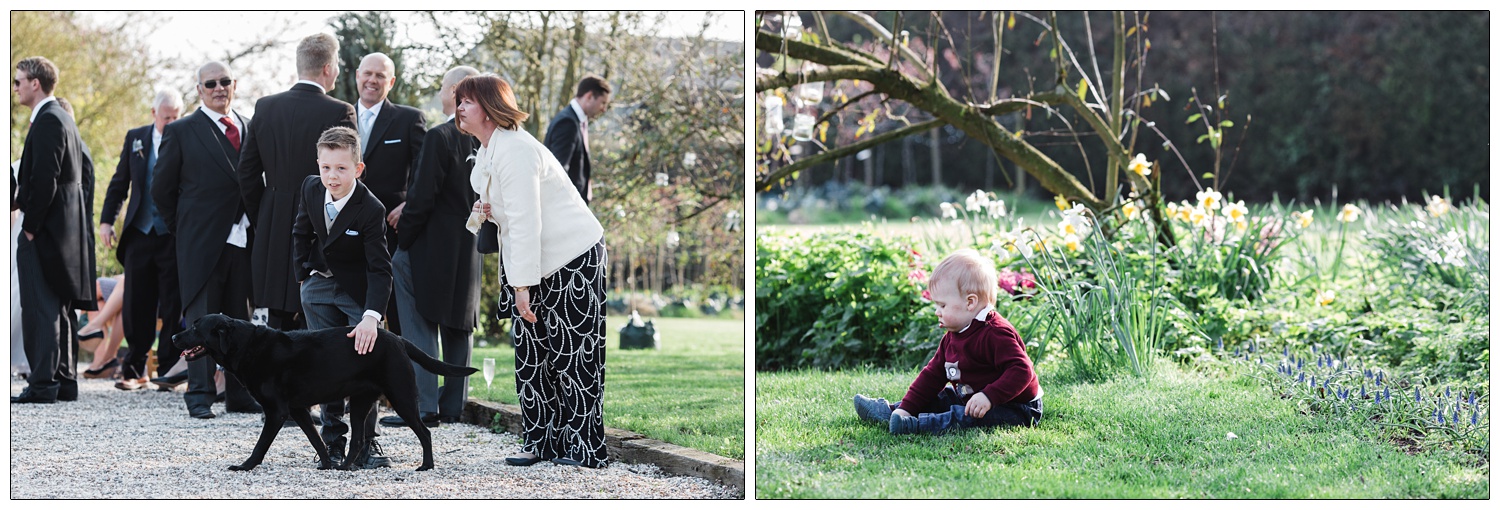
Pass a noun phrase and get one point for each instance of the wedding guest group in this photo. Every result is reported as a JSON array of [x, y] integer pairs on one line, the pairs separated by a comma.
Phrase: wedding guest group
[[312, 213]]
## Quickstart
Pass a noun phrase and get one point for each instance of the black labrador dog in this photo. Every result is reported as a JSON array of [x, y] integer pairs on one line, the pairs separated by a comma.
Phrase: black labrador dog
[[288, 371]]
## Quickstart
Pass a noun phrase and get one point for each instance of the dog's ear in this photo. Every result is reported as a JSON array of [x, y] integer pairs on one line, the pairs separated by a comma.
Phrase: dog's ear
[[221, 333]]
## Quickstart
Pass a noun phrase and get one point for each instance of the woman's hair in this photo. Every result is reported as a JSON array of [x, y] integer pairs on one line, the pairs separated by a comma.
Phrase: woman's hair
[[495, 96], [971, 272]]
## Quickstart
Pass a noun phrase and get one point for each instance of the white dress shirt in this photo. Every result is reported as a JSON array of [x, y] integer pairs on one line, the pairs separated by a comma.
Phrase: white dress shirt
[[359, 116], [38, 107], [983, 312], [239, 233], [315, 84], [583, 122]]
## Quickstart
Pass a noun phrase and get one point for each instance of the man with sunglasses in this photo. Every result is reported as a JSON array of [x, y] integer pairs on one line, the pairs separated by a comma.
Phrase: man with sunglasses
[[195, 188], [55, 253]]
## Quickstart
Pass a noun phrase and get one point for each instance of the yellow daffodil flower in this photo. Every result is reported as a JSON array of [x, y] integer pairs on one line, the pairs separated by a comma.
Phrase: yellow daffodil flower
[[1438, 206], [1349, 213], [1071, 241], [1062, 203], [1303, 219], [1130, 210], [1326, 297], [1210, 199], [1140, 166], [1236, 211]]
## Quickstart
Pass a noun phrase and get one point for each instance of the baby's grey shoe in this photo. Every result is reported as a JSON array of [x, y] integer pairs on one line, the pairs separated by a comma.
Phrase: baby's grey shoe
[[903, 424], [873, 409]]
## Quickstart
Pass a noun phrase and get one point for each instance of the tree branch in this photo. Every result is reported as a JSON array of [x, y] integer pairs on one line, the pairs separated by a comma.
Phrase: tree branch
[[842, 72], [881, 33], [804, 163]]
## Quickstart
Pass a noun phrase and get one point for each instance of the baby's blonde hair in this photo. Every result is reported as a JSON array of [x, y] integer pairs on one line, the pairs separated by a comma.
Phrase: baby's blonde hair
[[973, 273]]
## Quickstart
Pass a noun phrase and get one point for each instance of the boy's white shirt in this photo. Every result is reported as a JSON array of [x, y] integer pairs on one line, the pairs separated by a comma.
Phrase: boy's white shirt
[[338, 206], [983, 312]]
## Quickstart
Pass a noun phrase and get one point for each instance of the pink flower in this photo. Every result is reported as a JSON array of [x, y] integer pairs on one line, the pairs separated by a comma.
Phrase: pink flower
[[926, 296], [917, 276], [1013, 282]]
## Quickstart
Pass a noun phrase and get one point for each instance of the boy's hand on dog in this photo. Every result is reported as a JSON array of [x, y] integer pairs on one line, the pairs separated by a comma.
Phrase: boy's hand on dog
[[978, 405], [364, 335]]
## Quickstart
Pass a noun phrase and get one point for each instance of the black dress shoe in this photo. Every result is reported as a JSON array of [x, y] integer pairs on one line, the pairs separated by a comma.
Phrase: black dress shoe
[[563, 461], [202, 413], [522, 461], [374, 458], [429, 419], [336, 452], [31, 398]]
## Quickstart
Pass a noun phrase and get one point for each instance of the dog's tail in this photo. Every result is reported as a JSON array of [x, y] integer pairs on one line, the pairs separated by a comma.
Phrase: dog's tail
[[433, 365]]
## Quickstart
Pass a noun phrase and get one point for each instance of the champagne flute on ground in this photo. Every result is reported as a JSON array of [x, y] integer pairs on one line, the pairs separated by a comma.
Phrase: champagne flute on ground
[[489, 371]]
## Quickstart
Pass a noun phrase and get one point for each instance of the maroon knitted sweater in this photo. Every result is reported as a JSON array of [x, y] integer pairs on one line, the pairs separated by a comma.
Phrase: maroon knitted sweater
[[990, 358]]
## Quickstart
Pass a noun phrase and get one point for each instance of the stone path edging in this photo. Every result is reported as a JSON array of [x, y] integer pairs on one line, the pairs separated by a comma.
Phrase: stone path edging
[[626, 446]]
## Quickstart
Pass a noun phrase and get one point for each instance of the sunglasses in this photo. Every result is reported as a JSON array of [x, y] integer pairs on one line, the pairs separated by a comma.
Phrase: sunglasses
[[221, 82], [17, 83]]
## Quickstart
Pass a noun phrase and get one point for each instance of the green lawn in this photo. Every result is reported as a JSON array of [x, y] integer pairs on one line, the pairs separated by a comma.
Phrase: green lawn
[[691, 392], [1166, 438]]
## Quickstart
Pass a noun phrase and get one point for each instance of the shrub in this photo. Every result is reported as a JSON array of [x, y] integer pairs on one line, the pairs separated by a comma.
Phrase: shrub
[[839, 299]]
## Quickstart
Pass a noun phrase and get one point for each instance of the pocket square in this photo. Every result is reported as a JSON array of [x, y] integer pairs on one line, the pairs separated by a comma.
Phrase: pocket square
[[393, 141], [351, 233]]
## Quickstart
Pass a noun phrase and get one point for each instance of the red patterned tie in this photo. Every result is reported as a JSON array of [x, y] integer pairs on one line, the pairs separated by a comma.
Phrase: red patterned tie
[[232, 132]]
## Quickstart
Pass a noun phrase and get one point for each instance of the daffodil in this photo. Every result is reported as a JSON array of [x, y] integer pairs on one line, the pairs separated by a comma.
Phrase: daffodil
[[1185, 211], [1061, 201], [948, 210], [996, 208], [1004, 242], [1437, 206], [1210, 199], [1130, 210], [1197, 215], [1140, 166], [1349, 213], [1071, 241], [1171, 210], [1236, 211], [1304, 219], [976, 201], [1075, 221], [1240, 225], [1326, 297]]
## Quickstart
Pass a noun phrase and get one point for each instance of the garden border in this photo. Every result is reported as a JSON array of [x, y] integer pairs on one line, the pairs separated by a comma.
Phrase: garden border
[[625, 446]]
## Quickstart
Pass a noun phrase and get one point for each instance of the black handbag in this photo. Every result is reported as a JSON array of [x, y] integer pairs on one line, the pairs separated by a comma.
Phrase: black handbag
[[489, 238]]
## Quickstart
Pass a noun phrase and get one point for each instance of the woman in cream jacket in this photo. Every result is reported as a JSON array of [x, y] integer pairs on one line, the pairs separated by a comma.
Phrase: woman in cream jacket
[[552, 261]]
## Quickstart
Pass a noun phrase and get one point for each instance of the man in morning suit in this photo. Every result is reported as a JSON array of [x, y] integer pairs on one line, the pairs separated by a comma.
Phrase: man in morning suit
[[568, 133], [146, 251], [391, 136], [281, 151], [436, 267], [54, 253], [196, 192]]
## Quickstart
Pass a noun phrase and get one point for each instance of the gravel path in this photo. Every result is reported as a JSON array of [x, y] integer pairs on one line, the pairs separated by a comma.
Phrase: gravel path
[[128, 445]]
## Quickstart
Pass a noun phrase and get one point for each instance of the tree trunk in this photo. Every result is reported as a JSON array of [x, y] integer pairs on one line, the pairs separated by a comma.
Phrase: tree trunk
[[935, 142], [575, 55]]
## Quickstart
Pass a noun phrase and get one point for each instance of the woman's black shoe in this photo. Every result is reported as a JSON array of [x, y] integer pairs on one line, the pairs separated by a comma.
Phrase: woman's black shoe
[[100, 373], [522, 461], [91, 336]]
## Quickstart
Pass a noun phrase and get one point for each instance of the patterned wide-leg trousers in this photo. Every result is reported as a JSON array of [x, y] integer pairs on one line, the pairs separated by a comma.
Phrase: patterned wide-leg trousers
[[560, 361]]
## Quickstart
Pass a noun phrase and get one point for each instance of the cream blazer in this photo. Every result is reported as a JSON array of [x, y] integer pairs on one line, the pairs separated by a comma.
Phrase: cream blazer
[[544, 224]]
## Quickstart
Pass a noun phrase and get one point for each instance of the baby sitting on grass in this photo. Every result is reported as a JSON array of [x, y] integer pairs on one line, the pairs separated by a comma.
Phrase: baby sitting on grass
[[980, 376]]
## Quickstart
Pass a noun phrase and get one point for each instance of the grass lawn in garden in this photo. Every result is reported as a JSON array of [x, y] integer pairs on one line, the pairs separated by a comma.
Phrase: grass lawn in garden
[[691, 392], [1129, 438]]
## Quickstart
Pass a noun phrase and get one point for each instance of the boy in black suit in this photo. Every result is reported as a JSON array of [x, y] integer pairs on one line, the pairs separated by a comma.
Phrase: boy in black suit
[[343, 267]]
